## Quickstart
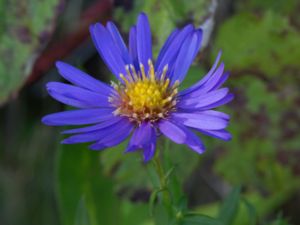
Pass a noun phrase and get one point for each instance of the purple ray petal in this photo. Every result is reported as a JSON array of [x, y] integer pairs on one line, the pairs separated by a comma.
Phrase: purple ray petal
[[220, 134], [107, 49], [186, 55], [223, 101], [168, 56], [114, 138], [216, 113], [144, 44], [141, 136], [221, 81], [133, 48], [116, 36], [81, 79], [192, 140], [204, 79], [78, 117], [200, 121], [172, 131], [144, 137], [94, 127], [76, 96], [96, 135], [149, 150], [159, 66], [209, 84], [203, 100]]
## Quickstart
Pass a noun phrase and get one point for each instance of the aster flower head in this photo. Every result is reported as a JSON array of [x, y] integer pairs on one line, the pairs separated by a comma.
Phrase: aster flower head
[[146, 101]]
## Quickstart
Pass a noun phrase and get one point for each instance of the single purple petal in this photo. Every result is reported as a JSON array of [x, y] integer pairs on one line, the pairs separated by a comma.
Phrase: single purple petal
[[78, 117], [220, 134], [204, 100], [149, 150], [216, 113], [209, 85], [81, 79], [159, 66], [108, 49], [114, 138], [221, 81], [172, 131], [119, 41], [140, 137], [204, 79], [111, 121], [168, 55], [223, 101], [200, 121], [106, 129], [144, 137], [180, 134], [192, 140], [133, 48], [76, 96], [68, 101], [144, 43], [186, 55]]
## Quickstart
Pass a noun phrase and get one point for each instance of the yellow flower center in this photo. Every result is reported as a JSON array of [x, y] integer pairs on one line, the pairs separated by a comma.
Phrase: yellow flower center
[[144, 97], [146, 94]]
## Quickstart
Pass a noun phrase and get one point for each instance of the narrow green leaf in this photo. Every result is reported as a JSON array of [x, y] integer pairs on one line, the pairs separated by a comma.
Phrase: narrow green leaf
[[153, 197], [201, 220], [251, 211], [82, 217], [229, 208]]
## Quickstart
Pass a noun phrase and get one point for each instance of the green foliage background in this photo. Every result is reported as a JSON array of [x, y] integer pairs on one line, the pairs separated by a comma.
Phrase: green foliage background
[[42, 182]]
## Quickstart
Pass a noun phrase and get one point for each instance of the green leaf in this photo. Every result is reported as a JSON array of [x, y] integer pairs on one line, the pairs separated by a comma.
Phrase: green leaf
[[152, 200], [80, 178], [229, 208]]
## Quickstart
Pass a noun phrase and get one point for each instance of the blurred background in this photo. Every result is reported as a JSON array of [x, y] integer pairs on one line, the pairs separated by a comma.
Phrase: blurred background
[[43, 182]]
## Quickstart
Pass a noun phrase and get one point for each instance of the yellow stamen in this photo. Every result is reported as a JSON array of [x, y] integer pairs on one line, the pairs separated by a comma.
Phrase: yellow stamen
[[162, 78], [124, 79], [151, 70], [135, 76], [143, 71], [128, 73], [166, 84]]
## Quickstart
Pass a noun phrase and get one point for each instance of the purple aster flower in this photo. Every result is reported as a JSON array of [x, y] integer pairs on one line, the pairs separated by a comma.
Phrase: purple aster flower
[[145, 102]]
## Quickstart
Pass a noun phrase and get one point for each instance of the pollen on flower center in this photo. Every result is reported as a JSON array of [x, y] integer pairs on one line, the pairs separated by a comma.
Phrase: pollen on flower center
[[144, 97]]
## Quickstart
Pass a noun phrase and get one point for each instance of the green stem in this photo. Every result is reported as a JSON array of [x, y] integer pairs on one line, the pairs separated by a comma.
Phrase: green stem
[[166, 197]]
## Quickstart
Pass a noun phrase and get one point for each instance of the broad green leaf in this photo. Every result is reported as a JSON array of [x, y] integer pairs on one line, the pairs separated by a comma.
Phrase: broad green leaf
[[80, 178]]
